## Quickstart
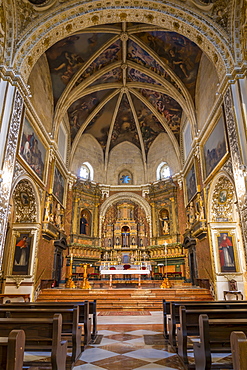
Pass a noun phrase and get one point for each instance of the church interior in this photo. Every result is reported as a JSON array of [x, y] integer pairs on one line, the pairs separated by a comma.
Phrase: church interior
[[123, 148]]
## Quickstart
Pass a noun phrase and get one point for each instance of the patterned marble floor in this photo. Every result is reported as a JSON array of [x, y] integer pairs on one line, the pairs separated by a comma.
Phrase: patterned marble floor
[[126, 346]]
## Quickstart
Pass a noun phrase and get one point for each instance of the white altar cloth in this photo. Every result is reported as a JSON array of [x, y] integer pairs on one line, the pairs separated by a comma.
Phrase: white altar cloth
[[124, 272]]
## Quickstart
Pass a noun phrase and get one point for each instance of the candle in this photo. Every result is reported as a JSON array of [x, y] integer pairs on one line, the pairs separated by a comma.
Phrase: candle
[[71, 257]]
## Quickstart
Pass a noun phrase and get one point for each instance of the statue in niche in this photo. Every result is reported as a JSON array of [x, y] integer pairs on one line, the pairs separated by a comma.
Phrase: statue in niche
[[117, 240], [83, 224], [164, 222], [133, 242], [190, 215]]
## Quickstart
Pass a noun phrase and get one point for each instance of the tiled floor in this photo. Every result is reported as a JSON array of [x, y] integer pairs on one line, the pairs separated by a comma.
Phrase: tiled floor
[[125, 345]]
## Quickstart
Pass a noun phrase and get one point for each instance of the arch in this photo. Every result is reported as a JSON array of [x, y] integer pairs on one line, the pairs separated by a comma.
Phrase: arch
[[125, 196], [211, 38], [36, 194]]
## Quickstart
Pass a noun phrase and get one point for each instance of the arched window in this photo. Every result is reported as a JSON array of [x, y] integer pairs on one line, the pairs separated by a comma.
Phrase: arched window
[[163, 171], [86, 172]]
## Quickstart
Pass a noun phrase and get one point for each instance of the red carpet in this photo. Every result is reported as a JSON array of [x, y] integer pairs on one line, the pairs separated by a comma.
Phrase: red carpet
[[124, 313]]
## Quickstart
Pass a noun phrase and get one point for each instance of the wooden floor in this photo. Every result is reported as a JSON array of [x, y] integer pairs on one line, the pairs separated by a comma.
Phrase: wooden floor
[[126, 299]]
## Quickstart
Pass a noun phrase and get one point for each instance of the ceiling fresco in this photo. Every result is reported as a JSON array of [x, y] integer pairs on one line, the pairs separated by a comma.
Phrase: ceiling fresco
[[80, 110], [167, 107], [124, 127], [134, 75], [114, 75], [108, 56], [181, 54], [99, 127], [150, 126], [67, 56], [128, 59]]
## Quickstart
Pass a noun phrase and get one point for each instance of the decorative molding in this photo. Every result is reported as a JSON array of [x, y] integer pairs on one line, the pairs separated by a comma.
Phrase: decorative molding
[[8, 167], [18, 280], [222, 201], [238, 173], [25, 202], [172, 16]]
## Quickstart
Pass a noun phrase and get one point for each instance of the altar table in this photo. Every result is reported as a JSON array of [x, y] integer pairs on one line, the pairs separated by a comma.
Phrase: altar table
[[125, 272]]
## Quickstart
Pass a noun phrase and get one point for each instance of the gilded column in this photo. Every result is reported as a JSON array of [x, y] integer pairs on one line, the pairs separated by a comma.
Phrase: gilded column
[[154, 221], [96, 221], [75, 226], [173, 216]]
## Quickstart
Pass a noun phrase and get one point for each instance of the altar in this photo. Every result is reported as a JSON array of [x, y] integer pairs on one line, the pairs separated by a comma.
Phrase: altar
[[125, 272]]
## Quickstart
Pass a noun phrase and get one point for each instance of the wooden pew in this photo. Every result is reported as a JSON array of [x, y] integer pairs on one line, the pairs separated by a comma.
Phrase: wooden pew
[[173, 320], [189, 325], [12, 350], [41, 335], [215, 338], [239, 350], [166, 312], [71, 330], [84, 310]]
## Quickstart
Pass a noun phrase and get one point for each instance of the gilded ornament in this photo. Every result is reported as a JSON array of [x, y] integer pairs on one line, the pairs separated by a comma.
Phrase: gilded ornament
[[222, 202]]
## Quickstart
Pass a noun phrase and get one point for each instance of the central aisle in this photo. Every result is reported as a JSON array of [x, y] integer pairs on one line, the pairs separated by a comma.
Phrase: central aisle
[[126, 345]]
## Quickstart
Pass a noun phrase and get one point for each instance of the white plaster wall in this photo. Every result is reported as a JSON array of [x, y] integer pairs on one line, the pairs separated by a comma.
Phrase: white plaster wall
[[89, 150], [41, 89], [206, 88], [161, 150], [125, 156]]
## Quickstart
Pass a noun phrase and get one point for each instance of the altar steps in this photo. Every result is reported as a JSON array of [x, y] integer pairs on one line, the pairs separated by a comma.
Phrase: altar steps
[[126, 299]]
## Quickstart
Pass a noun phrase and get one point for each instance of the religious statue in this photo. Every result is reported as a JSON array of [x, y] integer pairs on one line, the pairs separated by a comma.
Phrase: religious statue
[[83, 224], [164, 222]]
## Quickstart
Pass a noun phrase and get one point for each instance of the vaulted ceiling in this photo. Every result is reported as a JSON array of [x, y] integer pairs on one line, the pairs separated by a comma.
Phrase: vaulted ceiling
[[124, 82]]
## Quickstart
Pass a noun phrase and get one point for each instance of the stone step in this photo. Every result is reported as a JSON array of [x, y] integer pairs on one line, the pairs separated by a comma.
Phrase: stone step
[[124, 299]]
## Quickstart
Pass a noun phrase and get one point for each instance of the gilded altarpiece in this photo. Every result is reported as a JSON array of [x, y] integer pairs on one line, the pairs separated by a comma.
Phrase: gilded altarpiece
[[85, 245]]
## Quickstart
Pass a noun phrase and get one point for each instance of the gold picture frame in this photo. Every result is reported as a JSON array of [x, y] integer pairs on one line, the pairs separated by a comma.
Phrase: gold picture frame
[[215, 148]]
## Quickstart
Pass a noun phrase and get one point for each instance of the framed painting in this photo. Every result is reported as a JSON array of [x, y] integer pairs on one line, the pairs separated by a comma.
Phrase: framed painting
[[190, 180], [215, 147], [187, 139], [22, 253], [32, 150], [58, 185], [227, 260]]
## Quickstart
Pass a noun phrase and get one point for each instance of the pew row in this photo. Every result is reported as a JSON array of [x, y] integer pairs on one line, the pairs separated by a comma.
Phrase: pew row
[[189, 326], [42, 335], [85, 310], [239, 350], [71, 331], [215, 338], [173, 320]]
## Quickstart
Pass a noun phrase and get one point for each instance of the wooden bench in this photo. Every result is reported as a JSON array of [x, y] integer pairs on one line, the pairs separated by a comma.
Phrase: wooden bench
[[85, 309], [215, 338], [42, 335], [12, 350], [173, 320], [189, 325], [71, 331], [239, 350]]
